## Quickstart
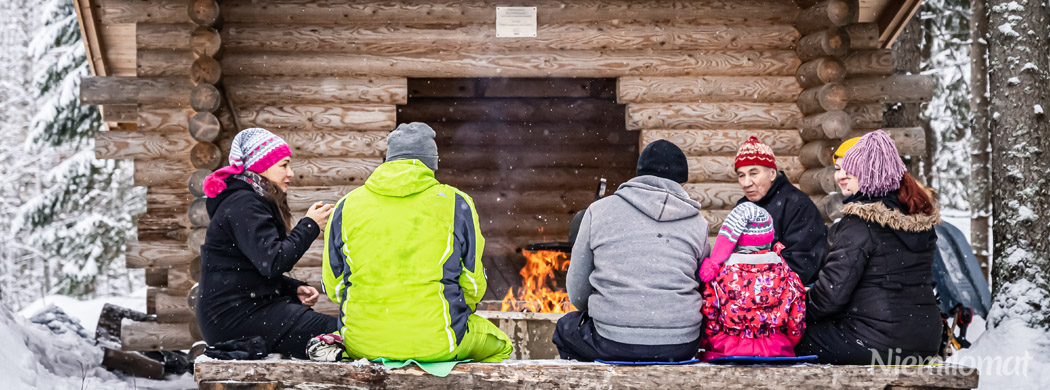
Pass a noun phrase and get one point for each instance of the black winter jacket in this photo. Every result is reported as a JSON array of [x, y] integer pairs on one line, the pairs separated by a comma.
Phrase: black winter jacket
[[798, 225], [877, 280], [243, 290]]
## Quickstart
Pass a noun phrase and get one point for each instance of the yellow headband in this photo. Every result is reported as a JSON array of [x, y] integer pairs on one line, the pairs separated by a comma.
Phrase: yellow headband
[[841, 151]]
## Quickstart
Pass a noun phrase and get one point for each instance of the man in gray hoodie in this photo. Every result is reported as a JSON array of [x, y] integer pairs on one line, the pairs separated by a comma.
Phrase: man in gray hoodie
[[633, 270]]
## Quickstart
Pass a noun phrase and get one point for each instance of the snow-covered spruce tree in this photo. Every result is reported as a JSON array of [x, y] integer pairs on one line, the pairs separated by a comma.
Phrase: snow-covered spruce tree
[[1019, 86], [80, 220]]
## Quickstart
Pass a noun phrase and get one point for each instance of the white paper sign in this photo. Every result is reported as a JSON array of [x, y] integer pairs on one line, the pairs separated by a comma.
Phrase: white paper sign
[[515, 22]]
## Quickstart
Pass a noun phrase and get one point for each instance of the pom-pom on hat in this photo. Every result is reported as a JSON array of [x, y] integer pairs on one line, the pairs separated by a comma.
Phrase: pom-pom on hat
[[876, 163], [254, 149], [664, 159], [754, 152]]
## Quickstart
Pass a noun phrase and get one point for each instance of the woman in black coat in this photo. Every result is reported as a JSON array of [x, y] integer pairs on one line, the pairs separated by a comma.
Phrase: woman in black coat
[[873, 301], [250, 244]]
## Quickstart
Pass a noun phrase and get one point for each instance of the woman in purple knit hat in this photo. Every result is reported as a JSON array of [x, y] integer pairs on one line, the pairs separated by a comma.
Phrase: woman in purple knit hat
[[873, 301], [251, 242]]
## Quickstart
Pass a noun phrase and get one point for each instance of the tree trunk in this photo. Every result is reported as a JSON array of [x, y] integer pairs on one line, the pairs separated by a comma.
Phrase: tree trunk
[[1020, 199], [980, 181]]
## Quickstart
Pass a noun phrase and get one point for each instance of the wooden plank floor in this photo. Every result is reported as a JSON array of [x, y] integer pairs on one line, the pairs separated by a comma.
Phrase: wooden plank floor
[[560, 374]]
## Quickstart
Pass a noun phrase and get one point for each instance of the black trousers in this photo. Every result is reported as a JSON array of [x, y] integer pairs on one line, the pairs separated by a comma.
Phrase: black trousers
[[310, 324], [576, 339], [833, 343]]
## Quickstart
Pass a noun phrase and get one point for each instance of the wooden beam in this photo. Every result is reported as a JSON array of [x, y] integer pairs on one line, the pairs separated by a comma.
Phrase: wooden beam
[[709, 142], [713, 116], [818, 181], [711, 89], [715, 195], [119, 113], [333, 170], [166, 253], [163, 172], [163, 120], [826, 14], [595, 64], [116, 144], [138, 11], [863, 36], [152, 336], [548, 11], [720, 168], [869, 62], [170, 36], [825, 98], [891, 89], [529, 134], [825, 43], [866, 116], [172, 307], [818, 154], [275, 91], [163, 63], [820, 71], [910, 141], [825, 125], [157, 92], [360, 117], [400, 39], [88, 20]]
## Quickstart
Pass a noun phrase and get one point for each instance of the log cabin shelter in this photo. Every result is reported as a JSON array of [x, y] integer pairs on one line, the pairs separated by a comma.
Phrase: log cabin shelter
[[526, 125]]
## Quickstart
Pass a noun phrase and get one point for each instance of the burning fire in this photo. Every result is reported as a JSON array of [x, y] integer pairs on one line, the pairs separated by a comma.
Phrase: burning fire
[[538, 273]]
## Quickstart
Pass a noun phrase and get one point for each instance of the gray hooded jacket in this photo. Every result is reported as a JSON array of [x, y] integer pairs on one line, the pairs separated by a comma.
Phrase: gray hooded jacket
[[634, 264]]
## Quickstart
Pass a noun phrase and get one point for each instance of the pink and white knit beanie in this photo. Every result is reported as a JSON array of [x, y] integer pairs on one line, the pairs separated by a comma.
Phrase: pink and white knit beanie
[[748, 225], [876, 163], [254, 148]]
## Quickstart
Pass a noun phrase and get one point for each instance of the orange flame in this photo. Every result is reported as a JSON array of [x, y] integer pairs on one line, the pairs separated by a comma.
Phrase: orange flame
[[535, 295]]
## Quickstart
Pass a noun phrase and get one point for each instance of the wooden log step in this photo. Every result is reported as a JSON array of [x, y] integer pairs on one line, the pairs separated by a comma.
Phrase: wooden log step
[[153, 336], [276, 91], [720, 169], [161, 253], [709, 89], [891, 89], [709, 142], [910, 141], [158, 92], [163, 63], [359, 117], [713, 116], [117, 144], [170, 36], [433, 110], [595, 64], [399, 39], [534, 134], [547, 11], [531, 374], [875, 62]]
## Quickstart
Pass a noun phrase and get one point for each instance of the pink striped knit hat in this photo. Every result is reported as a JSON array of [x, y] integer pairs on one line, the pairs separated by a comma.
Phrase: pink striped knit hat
[[254, 148], [746, 225], [876, 163]]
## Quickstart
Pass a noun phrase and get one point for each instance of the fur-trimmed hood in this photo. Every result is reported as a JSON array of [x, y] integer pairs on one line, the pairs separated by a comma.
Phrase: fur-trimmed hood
[[894, 219]]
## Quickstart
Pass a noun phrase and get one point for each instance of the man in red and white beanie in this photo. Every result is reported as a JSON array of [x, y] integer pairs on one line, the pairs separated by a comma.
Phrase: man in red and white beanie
[[797, 222]]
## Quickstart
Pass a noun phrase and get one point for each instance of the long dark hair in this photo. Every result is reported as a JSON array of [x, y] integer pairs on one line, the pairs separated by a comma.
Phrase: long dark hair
[[279, 197]]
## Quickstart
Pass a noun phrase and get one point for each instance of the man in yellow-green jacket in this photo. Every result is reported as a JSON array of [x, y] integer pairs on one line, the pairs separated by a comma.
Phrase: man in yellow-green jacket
[[402, 258]]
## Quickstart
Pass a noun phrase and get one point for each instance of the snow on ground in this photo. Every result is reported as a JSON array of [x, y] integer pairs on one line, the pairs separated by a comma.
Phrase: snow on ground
[[32, 356], [1012, 356], [87, 312]]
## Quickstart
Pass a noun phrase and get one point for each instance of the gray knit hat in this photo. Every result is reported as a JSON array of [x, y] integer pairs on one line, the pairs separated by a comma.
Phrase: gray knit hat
[[413, 141]]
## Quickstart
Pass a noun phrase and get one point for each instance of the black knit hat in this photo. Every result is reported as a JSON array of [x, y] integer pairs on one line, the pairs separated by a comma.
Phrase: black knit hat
[[664, 159]]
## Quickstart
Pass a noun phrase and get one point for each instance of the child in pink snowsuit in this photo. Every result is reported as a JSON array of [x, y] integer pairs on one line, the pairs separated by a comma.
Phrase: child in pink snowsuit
[[754, 305]]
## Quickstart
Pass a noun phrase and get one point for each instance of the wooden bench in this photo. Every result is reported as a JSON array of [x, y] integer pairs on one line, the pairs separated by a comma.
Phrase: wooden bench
[[214, 374]]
